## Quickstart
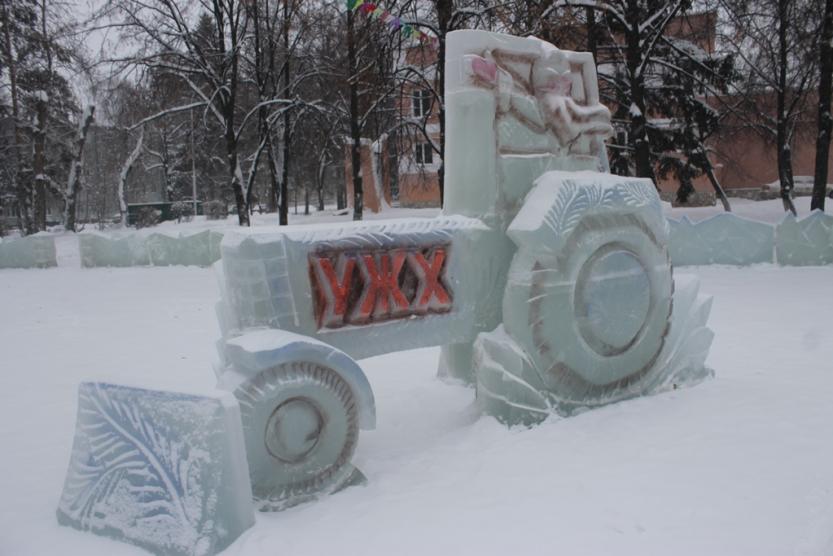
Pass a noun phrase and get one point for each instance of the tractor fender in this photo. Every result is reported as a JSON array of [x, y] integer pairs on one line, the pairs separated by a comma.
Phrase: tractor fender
[[258, 350]]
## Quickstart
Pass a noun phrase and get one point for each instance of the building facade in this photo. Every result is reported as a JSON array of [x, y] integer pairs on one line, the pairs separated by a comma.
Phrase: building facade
[[744, 160]]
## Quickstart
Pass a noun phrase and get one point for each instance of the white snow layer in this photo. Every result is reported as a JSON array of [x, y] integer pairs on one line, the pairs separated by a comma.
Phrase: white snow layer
[[742, 464]]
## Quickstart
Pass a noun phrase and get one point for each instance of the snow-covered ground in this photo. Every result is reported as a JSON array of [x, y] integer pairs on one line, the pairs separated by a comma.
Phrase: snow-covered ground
[[740, 465]]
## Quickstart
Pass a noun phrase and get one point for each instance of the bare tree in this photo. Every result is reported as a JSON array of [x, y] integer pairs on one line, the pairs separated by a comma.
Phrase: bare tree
[[825, 120], [126, 169], [12, 27], [76, 172], [778, 64]]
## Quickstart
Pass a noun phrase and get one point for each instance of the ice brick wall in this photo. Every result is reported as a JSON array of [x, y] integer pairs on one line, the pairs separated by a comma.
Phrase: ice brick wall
[[805, 241], [721, 239], [200, 248], [36, 251], [732, 240]]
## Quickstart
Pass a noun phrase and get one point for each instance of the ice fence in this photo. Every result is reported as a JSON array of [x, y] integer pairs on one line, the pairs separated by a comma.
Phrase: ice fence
[[35, 251], [195, 248]]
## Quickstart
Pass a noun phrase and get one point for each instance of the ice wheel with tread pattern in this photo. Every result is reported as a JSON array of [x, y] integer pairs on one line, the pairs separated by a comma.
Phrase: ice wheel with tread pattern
[[300, 422]]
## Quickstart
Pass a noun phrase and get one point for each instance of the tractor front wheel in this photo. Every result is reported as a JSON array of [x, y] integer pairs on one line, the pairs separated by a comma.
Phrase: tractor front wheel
[[301, 425]]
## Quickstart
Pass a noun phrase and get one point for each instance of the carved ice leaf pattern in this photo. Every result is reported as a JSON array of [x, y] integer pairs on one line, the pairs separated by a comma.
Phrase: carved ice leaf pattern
[[567, 208], [572, 203], [125, 449], [638, 195]]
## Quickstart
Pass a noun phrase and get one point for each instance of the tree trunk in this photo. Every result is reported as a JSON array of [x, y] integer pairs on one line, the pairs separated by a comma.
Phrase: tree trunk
[[237, 184], [638, 128], [284, 206], [321, 196], [444, 13], [166, 178], [274, 182], [227, 102], [592, 44], [319, 180], [39, 163], [718, 189], [785, 173], [702, 161], [341, 203], [129, 162], [355, 130], [22, 189], [76, 171], [235, 174], [686, 189], [825, 120]]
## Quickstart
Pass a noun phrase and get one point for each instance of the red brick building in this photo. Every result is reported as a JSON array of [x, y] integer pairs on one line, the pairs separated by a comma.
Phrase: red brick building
[[413, 182], [744, 160]]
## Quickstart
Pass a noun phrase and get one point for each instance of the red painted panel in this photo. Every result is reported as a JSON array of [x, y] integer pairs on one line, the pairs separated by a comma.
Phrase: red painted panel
[[358, 287]]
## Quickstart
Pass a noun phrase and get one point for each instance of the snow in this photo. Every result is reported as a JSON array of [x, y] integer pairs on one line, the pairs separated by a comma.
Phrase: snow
[[740, 464], [771, 211]]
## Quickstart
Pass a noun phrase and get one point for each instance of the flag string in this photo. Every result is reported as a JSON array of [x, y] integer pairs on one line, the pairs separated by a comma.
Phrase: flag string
[[375, 11]]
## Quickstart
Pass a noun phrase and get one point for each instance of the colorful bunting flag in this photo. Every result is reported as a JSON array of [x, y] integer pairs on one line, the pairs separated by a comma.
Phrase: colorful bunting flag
[[378, 12]]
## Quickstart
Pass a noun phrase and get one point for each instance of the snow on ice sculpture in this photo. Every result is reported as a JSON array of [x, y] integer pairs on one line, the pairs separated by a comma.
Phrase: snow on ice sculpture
[[35, 251], [165, 471], [721, 239], [804, 242], [546, 279]]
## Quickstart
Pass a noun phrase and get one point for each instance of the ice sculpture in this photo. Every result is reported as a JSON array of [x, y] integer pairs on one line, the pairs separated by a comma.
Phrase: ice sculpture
[[804, 242], [590, 332], [722, 239], [162, 470], [547, 281], [118, 251], [35, 251]]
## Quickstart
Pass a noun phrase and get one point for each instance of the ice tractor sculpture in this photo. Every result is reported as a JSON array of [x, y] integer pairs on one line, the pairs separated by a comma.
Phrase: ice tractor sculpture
[[546, 281]]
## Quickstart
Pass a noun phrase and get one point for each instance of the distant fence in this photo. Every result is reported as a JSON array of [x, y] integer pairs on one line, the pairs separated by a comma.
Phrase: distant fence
[[35, 251], [732, 240], [154, 249], [722, 239]]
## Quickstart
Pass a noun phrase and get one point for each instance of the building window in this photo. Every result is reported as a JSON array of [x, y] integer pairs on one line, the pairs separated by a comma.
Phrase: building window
[[421, 102], [424, 153]]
